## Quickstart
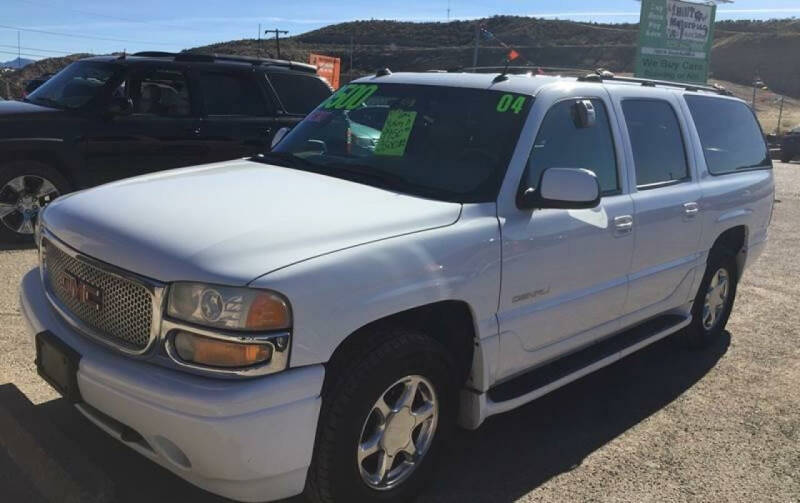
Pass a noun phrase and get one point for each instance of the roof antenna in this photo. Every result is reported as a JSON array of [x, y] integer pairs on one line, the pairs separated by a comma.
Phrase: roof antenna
[[503, 76]]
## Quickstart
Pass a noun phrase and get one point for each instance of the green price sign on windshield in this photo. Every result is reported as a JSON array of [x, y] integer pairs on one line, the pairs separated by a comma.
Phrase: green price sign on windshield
[[675, 39]]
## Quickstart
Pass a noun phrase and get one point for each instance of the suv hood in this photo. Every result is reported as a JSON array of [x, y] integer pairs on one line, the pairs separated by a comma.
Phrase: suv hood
[[231, 222], [15, 109]]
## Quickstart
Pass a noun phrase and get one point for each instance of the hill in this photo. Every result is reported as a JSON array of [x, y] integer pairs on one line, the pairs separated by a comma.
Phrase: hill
[[16, 63], [742, 48]]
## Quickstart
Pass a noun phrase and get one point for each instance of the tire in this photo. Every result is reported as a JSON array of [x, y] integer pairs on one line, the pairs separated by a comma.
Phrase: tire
[[349, 417], [708, 325], [33, 185], [786, 157]]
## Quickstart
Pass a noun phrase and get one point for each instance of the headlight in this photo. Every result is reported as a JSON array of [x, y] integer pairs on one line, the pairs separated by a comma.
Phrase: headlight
[[228, 307]]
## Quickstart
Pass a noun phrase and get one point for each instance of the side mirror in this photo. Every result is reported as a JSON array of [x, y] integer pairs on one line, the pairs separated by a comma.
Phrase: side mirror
[[584, 114], [564, 188], [120, 106], [279, 134]]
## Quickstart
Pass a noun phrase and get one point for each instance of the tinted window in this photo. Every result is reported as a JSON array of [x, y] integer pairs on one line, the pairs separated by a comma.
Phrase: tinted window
[[438, 142], [299, 94], [231, 95], [162, 93], [656, 140], [729, 133], [561, 144]]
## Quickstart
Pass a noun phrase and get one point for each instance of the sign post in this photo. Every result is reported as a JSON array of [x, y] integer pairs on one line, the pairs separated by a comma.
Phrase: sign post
[[675, 39]]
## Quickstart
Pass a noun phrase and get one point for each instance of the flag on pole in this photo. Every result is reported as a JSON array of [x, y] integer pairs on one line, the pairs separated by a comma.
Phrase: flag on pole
[[512, 55]]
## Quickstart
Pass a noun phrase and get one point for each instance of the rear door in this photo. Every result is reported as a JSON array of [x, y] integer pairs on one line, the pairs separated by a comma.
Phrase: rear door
[[238, 117], [297, 94], [666, 196], [163, 131]]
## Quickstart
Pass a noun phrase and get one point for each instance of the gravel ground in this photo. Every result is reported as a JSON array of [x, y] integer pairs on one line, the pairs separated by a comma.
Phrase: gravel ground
[[665, 424]]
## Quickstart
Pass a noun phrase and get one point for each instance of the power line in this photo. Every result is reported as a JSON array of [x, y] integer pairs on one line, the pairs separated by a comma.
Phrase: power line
[[37, 49], [107, 16], [91, 37]]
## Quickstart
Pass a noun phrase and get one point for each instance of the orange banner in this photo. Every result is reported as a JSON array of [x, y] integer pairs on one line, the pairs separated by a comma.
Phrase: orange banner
[[327, 67]]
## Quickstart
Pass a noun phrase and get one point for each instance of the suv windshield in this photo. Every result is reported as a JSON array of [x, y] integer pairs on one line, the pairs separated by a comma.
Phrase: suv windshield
[[444, 143], [74, 86]]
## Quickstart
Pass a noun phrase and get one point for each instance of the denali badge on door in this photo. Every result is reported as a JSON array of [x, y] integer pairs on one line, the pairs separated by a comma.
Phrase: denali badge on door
[[81, 291]]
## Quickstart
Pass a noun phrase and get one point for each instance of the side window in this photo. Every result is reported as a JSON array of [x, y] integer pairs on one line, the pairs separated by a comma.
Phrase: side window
[[299, 94], [729, 134], [225, 94], [658, 150], [162, 93], [561, 144]]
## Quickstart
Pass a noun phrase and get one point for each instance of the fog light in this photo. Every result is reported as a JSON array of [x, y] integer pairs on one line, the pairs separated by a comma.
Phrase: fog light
[[194, 348]]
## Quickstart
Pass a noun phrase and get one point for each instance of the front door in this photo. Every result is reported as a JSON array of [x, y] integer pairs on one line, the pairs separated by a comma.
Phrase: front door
[[564, 279], [163, 132]]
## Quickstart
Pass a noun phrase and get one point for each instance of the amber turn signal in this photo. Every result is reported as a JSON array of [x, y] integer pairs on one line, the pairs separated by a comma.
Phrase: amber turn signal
[[201, 350]]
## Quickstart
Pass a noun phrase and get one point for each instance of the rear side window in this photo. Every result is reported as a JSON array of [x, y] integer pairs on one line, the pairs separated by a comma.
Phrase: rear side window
[[561, 144], [729, 133], [299, 94], [656, 141], [225, 94]]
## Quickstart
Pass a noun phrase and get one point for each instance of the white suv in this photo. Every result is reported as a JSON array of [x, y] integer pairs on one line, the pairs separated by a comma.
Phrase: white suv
[[422, 250]]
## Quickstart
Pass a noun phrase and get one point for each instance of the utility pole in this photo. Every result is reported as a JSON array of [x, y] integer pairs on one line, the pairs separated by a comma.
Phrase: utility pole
[[19, 53], [277, 33], [448, 11], [259, 40], [780, 115], [477, 43]]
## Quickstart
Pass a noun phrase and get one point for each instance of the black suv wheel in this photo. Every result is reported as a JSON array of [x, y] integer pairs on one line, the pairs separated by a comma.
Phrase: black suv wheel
[[25, 188]]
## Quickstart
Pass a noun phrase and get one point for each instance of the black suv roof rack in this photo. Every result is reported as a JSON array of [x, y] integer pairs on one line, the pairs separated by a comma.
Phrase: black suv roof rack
[[601, 75], [190, 56]]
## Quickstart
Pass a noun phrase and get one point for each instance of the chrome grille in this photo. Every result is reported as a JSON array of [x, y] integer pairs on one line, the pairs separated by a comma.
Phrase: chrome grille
[[126, 312]]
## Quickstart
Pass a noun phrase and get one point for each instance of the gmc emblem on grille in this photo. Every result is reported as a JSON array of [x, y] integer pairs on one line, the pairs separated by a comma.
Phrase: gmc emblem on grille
[[81, 291]]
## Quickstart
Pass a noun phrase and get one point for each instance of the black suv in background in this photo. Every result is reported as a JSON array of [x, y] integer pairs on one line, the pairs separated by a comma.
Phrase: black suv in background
[[105, 118]]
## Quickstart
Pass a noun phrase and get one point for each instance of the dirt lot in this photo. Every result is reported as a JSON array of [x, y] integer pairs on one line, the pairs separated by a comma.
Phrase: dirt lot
[[665, 424]]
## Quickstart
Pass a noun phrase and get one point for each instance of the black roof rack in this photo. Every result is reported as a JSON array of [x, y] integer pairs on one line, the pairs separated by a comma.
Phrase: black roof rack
[[190, 56], [601, 75]]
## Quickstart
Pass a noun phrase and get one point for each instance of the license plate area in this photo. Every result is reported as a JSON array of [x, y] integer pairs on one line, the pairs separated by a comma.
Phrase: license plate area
[[57, 364]]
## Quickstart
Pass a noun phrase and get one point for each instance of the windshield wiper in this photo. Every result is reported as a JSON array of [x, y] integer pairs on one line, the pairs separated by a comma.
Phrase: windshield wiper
[[364, 172], [285, 159]]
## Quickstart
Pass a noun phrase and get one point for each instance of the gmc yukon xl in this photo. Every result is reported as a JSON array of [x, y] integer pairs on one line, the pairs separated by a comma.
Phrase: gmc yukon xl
[[318, 318]]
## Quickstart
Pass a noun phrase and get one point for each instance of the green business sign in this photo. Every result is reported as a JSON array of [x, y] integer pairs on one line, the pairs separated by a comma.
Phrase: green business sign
[[675, 39]]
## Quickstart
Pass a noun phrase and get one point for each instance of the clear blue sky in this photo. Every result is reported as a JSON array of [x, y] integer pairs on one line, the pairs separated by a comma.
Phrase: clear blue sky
[[135, 25]]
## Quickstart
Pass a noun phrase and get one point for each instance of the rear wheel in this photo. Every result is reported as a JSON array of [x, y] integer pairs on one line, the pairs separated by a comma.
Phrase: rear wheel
[[26, 188], [786, 157], [714, 301], [382, 422]]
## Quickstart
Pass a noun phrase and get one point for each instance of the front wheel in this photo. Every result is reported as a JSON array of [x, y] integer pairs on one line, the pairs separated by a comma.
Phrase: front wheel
[[25, 188], [383, 421], [714, 301]]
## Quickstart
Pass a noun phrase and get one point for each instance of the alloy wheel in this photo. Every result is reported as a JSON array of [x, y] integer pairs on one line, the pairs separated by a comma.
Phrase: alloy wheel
[[22, 198], [716, 298], [398, 432]]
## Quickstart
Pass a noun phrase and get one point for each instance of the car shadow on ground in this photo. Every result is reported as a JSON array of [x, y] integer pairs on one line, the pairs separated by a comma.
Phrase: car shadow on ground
[[50, 452], [17, 246]]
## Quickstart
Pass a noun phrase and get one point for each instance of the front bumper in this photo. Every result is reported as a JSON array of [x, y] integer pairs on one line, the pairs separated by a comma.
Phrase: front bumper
[[246, 440]]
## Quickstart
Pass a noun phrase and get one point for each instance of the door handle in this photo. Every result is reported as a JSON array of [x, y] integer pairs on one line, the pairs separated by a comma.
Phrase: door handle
[[691, 209], [623, 224]]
